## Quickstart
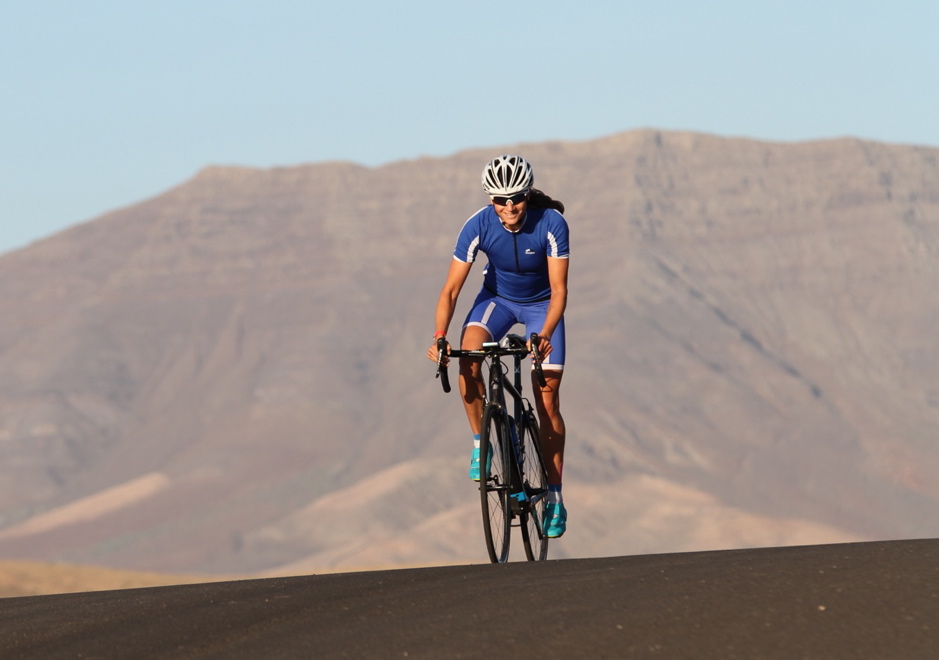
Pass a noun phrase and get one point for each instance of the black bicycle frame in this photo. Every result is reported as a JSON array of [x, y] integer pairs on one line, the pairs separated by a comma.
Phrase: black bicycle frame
[[517, 497]]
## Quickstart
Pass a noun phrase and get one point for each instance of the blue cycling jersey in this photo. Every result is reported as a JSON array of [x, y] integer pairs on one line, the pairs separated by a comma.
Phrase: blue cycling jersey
[[518, 261]]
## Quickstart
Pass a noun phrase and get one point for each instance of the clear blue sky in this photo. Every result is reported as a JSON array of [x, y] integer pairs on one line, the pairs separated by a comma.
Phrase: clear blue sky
[[104, 103]]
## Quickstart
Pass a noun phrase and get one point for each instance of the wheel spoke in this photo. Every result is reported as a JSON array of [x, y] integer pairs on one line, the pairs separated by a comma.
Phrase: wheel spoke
[[497, 517], [535, 480]]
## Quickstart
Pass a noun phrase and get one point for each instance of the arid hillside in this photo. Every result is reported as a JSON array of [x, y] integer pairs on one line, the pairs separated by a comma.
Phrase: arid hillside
[[26, 578], [230, 377]]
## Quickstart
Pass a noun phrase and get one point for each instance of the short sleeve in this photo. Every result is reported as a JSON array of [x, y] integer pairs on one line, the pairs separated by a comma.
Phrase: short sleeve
[[558, 236], [467, 243]]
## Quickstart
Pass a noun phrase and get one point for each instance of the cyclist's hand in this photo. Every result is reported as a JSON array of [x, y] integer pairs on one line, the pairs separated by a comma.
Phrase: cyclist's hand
[[432, 354], [544, 347]]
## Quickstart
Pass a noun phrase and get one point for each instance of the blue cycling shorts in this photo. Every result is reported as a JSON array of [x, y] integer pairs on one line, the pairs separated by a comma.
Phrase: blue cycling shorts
[[498, 315]]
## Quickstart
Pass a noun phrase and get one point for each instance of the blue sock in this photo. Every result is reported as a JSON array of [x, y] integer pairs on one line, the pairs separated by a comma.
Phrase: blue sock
[[476, 437], [554, 493]]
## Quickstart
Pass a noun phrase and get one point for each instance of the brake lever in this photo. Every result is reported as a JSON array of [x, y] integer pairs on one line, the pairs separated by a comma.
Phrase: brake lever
[[442, 373], [535, 340]]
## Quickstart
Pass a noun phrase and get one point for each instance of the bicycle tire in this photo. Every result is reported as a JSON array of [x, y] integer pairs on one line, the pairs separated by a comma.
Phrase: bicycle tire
[[534, 477], [494, 485]]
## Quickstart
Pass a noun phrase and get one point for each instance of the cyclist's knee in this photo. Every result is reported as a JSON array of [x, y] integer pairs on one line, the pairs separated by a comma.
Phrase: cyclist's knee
[[549, 399], [473, 337], [552, 384], [470, 368]]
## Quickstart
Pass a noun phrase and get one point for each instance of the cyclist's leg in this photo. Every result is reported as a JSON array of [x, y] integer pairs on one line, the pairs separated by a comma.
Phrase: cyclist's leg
[[547, 399], [487, 320], [553, 428], [472, 387]]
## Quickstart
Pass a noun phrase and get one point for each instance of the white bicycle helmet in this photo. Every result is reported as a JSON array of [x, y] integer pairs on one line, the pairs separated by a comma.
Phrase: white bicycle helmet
[[507, 175]]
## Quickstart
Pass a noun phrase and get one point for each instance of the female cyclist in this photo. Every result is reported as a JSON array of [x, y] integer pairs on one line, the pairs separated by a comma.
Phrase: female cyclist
[[525, 237]]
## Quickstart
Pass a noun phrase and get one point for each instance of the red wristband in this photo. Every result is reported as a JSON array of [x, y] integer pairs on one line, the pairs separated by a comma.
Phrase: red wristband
[[438, 335]]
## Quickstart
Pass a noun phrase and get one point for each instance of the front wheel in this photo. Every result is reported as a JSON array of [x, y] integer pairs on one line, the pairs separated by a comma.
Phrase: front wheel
[[535, 480], [494, 484]]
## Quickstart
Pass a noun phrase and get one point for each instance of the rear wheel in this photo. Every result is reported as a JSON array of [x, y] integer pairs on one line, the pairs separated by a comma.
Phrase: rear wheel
[[494, 485], [535, 480]]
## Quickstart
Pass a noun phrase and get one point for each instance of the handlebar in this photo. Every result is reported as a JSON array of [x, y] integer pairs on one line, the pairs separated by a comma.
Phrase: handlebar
[[441, 366], [491, 349]]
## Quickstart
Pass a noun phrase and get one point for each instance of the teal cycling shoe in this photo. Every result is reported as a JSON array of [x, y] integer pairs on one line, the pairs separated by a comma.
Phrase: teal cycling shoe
[[474, 465], [555, 519]]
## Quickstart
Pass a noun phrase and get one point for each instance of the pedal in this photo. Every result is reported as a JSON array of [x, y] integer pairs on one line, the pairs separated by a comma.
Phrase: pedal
[[517, 503]]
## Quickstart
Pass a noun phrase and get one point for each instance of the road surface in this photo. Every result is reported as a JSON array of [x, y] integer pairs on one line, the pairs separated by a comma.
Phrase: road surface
[[863, 600]]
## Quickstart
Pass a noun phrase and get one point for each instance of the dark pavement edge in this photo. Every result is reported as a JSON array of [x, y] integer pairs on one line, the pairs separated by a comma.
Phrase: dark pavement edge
[[859, 600]]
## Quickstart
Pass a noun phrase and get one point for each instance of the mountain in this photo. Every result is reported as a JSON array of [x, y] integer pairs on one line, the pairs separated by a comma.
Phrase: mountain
[[230, 377]]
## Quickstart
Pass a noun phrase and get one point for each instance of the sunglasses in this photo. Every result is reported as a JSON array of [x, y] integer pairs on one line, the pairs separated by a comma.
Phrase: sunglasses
[[517, 198]]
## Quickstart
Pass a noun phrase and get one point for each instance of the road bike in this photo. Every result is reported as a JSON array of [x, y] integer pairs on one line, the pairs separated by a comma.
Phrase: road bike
[[513, 483]]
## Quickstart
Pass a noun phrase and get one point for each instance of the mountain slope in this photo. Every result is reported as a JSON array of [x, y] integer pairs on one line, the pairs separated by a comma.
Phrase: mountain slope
[[750, 341]]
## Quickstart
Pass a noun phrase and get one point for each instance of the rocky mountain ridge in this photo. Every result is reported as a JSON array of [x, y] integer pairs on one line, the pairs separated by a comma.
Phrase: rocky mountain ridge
[[229, 377]]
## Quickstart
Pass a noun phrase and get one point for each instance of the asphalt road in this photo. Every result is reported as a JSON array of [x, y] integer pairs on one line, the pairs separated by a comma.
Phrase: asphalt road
[[865, 600]]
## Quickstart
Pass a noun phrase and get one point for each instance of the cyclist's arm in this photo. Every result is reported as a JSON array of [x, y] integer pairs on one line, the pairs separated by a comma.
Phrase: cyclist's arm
[[557, 277], [446, 304]]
